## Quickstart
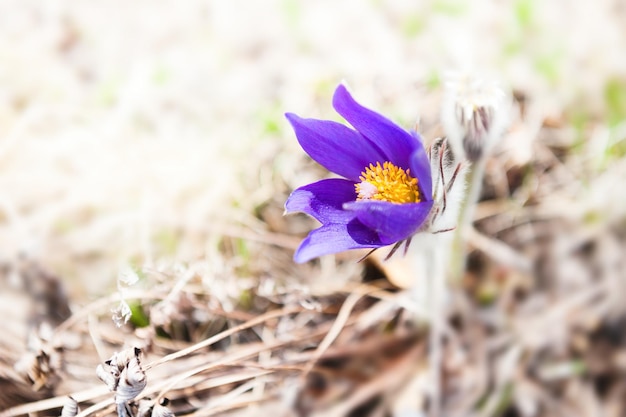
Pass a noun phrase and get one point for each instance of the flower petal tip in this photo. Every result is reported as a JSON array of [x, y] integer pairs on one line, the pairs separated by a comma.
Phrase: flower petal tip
[[291, 116], [297, 259], [300, 256], [286, 209], [344, 87], [342, 93]]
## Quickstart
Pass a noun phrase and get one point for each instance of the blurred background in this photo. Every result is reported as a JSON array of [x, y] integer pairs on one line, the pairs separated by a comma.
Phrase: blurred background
[[151, 134]]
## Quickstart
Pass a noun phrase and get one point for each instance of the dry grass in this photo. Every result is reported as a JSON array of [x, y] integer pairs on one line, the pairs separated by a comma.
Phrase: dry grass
[[151, 135]]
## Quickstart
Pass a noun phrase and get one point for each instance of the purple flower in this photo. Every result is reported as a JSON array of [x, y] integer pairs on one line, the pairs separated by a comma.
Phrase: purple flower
[[385, 195]]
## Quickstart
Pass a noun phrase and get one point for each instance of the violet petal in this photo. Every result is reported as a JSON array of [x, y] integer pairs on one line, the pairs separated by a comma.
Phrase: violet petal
[[334, 146], [334, 238], [420, 169], [323, 200], [392, 222], [396, 144]]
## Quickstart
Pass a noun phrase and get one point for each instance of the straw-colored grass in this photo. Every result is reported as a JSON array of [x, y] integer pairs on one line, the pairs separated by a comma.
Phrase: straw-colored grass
[[150, 135]]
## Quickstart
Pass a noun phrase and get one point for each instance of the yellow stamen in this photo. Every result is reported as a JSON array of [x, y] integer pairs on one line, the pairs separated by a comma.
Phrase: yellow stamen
[[387, 183]]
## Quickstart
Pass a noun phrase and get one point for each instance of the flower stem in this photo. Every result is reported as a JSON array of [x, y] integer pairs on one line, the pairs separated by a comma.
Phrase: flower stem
[[437, 321], [466, 217], [430, 263]]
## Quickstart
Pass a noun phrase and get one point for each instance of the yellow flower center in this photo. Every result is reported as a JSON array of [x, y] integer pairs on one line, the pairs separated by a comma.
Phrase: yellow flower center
[[387, 183]]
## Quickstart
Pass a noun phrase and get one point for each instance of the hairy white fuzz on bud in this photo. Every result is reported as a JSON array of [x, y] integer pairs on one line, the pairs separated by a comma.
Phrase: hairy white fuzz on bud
[[474, 114], [449, 186]]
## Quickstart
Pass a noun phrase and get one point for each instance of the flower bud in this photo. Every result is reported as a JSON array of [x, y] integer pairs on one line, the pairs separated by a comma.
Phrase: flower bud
[[474, 114]]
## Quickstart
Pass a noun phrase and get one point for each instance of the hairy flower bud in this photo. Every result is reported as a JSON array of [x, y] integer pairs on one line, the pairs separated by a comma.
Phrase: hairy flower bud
[[474, 115]]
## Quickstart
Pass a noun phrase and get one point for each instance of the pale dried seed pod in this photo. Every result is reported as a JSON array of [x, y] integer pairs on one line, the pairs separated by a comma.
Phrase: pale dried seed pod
[[116, 364], [131, 382], [162, 411], [121, 359], [124, 376], [107, 377], [134, 373], [148, 408], [145, 407], [123, 410], [70, 408]]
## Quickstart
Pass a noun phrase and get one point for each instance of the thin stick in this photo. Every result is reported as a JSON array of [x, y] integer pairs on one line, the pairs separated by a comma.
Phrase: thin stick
[[384, 383], [338, 325], [55, 402], [220, 336]]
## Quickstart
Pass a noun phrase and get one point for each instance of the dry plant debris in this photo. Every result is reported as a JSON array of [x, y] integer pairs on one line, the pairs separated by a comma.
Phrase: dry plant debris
[[150, 135]]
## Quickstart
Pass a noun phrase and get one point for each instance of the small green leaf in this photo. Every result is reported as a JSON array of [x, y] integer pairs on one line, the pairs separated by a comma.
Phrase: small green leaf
[[139, 318]]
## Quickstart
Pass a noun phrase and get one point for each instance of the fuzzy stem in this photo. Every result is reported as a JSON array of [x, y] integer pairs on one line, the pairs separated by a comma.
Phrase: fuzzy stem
[[466, 217], [430, 265], [437, 287]]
